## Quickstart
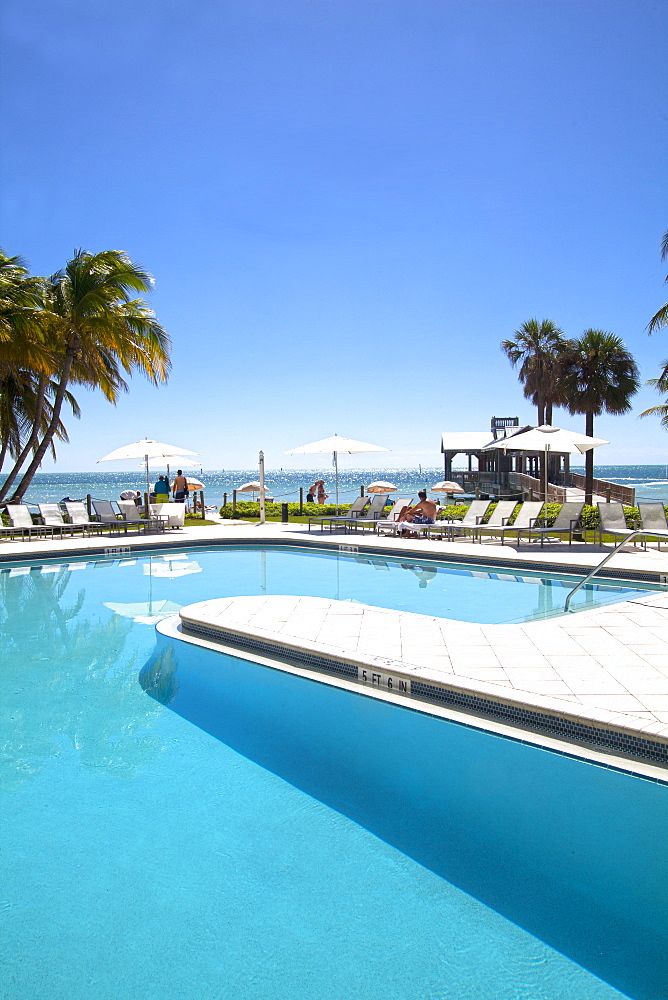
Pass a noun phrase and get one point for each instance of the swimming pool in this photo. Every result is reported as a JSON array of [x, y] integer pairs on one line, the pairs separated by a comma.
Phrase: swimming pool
[[233, 831]]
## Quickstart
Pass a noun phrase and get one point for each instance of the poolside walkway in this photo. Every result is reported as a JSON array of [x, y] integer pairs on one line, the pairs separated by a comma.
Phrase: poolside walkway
[[605, 668]]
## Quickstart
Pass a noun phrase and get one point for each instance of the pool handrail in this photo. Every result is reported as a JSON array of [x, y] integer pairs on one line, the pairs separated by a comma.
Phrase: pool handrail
[[608, 556]]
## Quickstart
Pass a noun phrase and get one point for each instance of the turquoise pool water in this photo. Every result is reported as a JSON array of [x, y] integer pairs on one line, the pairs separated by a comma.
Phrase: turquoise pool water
[[178, 823]]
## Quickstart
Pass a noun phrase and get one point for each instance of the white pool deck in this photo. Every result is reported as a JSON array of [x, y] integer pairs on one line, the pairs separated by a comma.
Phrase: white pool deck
[[605, 667]]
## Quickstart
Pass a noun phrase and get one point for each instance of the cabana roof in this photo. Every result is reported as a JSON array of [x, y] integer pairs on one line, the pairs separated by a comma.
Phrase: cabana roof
[[464, 442]]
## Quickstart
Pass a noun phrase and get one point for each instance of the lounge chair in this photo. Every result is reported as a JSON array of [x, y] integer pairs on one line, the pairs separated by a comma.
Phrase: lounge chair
[[21, 519], [157, 522], [78, 515], [389, 523], [612, 521], [653, 519], [356, 508], [566, 522], [526, 518], [471, 519], [369, 517], [114, 519], [497, 519], [52, 515]]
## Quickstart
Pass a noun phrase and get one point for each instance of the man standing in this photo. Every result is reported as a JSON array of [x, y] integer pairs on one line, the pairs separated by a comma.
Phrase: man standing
[[180, 487]]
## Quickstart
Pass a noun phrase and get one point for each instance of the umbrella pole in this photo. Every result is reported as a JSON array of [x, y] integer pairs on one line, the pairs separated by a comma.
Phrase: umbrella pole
[[261, 463], [547, 448], [336, 477], [148, 486]]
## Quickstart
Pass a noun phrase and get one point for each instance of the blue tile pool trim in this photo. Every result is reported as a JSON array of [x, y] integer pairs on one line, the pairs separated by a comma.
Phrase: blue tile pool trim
[[565, 727]]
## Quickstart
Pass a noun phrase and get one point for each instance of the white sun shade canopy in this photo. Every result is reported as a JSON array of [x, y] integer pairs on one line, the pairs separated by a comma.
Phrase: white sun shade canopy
[[340, 445], [144, 449], [546, 437]]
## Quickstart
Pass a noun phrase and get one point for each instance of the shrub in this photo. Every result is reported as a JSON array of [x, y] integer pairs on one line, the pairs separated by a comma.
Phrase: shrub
[[251, 509]]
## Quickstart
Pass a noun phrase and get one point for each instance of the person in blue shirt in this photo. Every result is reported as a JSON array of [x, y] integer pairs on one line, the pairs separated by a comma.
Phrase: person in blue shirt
[[162, 490]]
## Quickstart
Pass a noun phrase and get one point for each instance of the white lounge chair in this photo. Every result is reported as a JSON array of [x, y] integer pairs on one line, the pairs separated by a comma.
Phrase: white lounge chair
[[526, 518], [471, 519], [387, 525], [131, 515], [52, 515], [21, 518], [566, 522], [500, 515], [369, 517], [653, 519], [356, 508], [78, 515], [612, 521]]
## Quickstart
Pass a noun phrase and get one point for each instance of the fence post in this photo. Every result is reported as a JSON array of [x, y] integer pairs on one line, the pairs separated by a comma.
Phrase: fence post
[[89, 505], [234, 501], [224, 499], [361, 491], [301, 500], [201, 500]]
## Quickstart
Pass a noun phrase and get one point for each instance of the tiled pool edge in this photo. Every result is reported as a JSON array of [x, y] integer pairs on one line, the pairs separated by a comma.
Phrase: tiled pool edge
[[526, 710]]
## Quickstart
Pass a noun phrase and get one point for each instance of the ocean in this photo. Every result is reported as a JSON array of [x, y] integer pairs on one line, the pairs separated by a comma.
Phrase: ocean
[[650, 482]]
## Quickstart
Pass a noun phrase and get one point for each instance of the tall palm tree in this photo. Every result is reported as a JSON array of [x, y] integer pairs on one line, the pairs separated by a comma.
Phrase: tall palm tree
[[536, 348], [96, 332], [660, 319], [25, 361], [597, 374]]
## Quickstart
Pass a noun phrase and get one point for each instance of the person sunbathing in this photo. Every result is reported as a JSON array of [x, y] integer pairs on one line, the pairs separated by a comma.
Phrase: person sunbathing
[[423, 512]]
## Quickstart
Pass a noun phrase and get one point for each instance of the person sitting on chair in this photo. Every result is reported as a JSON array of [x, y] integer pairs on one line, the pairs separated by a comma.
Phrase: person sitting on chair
[[423, 512]]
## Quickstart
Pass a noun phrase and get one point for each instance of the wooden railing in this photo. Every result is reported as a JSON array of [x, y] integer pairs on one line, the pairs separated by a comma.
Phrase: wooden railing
[[611, 491], [532, 488]]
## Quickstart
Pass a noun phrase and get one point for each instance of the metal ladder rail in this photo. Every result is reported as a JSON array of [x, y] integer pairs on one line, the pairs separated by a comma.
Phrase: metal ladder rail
[[608, 556]]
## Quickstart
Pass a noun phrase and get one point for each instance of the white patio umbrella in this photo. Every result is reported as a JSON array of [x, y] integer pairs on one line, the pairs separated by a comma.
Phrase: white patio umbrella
[[335, 445], [381, 487], [145, 450], [546, 438]]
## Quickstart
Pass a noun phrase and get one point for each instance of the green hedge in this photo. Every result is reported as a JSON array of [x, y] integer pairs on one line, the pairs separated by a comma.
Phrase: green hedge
[[251, 509]]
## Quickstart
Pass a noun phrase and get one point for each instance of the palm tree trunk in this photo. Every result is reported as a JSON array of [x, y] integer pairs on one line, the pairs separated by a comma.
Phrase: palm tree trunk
[[589, 460], [541, 413], [32, 440], [548, 413], [53, 424]]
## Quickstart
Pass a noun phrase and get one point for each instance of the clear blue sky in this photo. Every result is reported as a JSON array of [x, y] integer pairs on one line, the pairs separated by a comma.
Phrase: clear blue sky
[[346, 204]]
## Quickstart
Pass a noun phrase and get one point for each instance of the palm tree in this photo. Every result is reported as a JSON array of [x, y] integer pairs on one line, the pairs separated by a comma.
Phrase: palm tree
[[597, 374], [96, 332], [25, 362], [536, 349], [660, 319], [661, 385]]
